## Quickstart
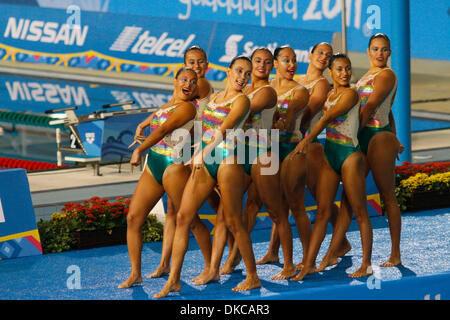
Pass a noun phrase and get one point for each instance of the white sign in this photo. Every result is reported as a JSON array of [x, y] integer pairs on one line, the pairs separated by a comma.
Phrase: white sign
[[47, 92], [44, 31], [161, 45]]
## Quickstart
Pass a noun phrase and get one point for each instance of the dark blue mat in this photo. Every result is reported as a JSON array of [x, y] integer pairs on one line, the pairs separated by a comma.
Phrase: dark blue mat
[[425, 272]]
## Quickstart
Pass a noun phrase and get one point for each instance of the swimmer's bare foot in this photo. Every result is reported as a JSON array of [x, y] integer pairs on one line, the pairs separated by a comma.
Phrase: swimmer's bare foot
[[229, 266], [343, 248], [392, 262], [268, 258], [251, 282], [305, 271], [363, 271], [299, 266], [159, 272], [131, 281], [168, 287], [286, 273], [201, 275], [206, 278], [328, 260]]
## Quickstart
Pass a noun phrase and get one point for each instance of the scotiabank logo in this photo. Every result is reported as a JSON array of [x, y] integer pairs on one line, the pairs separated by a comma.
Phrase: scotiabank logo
[[233, 43], [231, 48], [47, 32], [147, 43]]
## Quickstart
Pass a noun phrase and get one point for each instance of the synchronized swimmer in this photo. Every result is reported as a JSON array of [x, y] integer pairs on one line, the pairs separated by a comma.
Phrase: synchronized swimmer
[[288, 114]]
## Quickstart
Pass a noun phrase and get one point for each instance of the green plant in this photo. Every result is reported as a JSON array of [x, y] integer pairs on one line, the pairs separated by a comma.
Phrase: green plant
[[152, 230], [421, 182], [403, 196], [94, 214], [55, 235]]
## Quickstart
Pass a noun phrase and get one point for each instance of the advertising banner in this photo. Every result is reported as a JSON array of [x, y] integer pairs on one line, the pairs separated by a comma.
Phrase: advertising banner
[[135, 43], [30, 94], [430, 19], [19, 236], [231, 40]]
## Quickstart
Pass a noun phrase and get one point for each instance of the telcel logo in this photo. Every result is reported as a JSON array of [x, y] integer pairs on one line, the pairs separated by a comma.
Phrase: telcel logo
[[149, 44], [48, 32]]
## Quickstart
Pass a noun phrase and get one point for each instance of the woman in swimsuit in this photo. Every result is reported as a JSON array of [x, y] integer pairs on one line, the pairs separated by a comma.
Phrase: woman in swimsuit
[[344, 162], [377, 137], [265, 186], [291, 103], [164, 171], [194, 58], [318, 88], [217, 164]]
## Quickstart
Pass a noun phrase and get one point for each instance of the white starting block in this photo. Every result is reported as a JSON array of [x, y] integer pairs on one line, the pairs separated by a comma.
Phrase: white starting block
[[92, 160]]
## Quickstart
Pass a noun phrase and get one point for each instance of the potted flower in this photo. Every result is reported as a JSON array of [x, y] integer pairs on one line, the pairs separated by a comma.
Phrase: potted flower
[[422, 191], [408, 169], [92, 223], [97, 222]]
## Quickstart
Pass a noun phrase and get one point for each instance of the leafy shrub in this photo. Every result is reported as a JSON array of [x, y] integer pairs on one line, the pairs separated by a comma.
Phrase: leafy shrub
[[94, 214]]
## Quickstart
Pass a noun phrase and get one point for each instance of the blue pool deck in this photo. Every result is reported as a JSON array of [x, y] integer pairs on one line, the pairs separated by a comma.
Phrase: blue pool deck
[[423, 275]]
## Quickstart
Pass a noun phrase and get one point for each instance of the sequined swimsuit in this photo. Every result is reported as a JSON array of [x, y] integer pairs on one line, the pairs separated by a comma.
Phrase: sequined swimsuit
[[213, 116], [379, 120], [318, 115], [288, 140], [166, 151], [200, 105], [257, 129], [341, 135]]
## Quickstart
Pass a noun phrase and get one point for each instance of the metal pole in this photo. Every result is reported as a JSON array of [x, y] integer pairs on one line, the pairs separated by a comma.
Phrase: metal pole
[[401, 55], [344, 27], [58, 145]]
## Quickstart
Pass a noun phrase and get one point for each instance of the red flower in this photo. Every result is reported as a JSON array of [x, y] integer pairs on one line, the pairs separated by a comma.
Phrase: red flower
[[407, 169]]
